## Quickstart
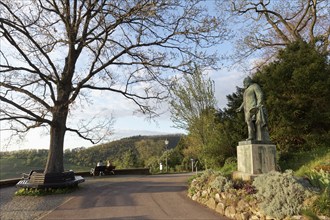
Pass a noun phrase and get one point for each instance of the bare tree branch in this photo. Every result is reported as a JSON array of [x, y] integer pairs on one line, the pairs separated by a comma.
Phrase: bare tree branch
[[267, 26], [56, 50]]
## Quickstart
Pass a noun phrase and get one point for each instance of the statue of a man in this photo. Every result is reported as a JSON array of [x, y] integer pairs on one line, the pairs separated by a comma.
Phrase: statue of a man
[[254, 111]]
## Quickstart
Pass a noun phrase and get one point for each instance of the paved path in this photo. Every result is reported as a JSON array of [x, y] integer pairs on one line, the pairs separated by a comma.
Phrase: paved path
[[133, 197]]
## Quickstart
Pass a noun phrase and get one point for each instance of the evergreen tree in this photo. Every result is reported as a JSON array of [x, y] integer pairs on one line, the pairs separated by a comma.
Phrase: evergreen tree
[[297, 88]]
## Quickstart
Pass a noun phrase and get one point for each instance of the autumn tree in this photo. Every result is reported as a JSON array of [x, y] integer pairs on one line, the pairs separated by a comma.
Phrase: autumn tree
[[55, 52]]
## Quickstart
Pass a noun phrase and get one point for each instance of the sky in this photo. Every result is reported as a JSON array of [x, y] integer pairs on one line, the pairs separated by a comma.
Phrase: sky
[[127, 123]]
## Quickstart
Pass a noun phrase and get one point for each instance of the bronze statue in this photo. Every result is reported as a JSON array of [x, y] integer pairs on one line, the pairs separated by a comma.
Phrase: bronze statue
[[254, 111]]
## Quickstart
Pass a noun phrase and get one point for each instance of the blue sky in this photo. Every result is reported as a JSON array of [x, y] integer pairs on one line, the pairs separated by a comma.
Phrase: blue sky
[[126, 122]]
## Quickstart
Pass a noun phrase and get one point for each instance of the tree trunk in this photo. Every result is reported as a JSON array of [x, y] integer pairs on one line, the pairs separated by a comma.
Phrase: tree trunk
[[57, 132]]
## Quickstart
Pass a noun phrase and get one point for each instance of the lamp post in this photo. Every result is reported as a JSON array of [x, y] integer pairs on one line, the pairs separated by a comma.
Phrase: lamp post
[[166, 143]]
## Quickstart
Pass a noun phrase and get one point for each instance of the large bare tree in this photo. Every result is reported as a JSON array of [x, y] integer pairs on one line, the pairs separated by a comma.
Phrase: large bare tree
[[53, 52], [267, 25]]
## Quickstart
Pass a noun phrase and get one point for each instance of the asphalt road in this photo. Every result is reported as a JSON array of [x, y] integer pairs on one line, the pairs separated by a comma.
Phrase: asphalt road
[[133, 197]]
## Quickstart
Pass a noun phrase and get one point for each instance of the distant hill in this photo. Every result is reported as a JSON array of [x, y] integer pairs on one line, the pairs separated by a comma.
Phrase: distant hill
[[173, 139], [13, 163], [129, 142], [121, 151]]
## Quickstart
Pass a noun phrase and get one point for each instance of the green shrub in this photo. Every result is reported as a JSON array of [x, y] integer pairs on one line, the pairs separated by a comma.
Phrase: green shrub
[[44, 192], [200, 181], [229, 167], [221, 184], [204, 178], [212, 180], [280, 194], [191, 178], [206, 175], [246, 186]]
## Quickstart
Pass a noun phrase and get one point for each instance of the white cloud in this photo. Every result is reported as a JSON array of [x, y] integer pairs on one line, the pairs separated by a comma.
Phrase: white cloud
[[127, 124], [225, 83]]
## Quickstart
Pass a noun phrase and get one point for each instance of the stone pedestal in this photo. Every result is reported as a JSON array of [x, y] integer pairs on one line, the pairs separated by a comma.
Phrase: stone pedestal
[[253, 158]]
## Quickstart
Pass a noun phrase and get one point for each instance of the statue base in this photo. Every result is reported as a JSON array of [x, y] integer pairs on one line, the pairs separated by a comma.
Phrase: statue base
[[254, 158], [237, 175]]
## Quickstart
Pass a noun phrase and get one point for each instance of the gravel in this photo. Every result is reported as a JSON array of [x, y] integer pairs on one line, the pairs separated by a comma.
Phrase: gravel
[[28, 207], [35, 207]]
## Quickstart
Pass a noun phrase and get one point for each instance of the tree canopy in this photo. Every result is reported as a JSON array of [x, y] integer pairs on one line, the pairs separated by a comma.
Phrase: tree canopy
[[297, 90], [54, 53], [193, 107], [297, 87], [265, 26], [192, 96]]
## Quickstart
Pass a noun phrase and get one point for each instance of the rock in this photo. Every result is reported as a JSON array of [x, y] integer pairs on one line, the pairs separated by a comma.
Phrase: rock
[[254, 209], [242, 216], [217, 197], [204, 193], [231, 200], [253, 202], [223, 195], [211, 203], [258, 215], [242, 205], [230, 212], [296, 217], [254, 217], [220, 208]]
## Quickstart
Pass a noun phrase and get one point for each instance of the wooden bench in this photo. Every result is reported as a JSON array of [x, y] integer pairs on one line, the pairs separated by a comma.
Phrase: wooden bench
[[37, 179], [103, 170], [26, 176]]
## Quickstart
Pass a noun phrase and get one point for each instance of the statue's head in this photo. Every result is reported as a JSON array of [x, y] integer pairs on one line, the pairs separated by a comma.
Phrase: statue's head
[[247, 81]]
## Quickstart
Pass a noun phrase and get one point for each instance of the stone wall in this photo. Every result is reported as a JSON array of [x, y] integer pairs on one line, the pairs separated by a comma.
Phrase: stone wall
[[230, 204], [234, 204]]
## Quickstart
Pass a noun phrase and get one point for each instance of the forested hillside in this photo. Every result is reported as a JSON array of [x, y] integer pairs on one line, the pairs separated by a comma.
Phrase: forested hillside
[[124, 153], [136, 151]]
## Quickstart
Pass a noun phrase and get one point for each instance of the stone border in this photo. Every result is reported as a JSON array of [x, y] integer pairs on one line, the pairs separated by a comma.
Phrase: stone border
[[234, 206]]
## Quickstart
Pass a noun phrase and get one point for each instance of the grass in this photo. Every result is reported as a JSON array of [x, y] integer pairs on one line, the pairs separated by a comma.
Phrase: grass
[[229, 167], [14, 167], [315, 166], [44, 192], [318, 163], [303, 162]]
